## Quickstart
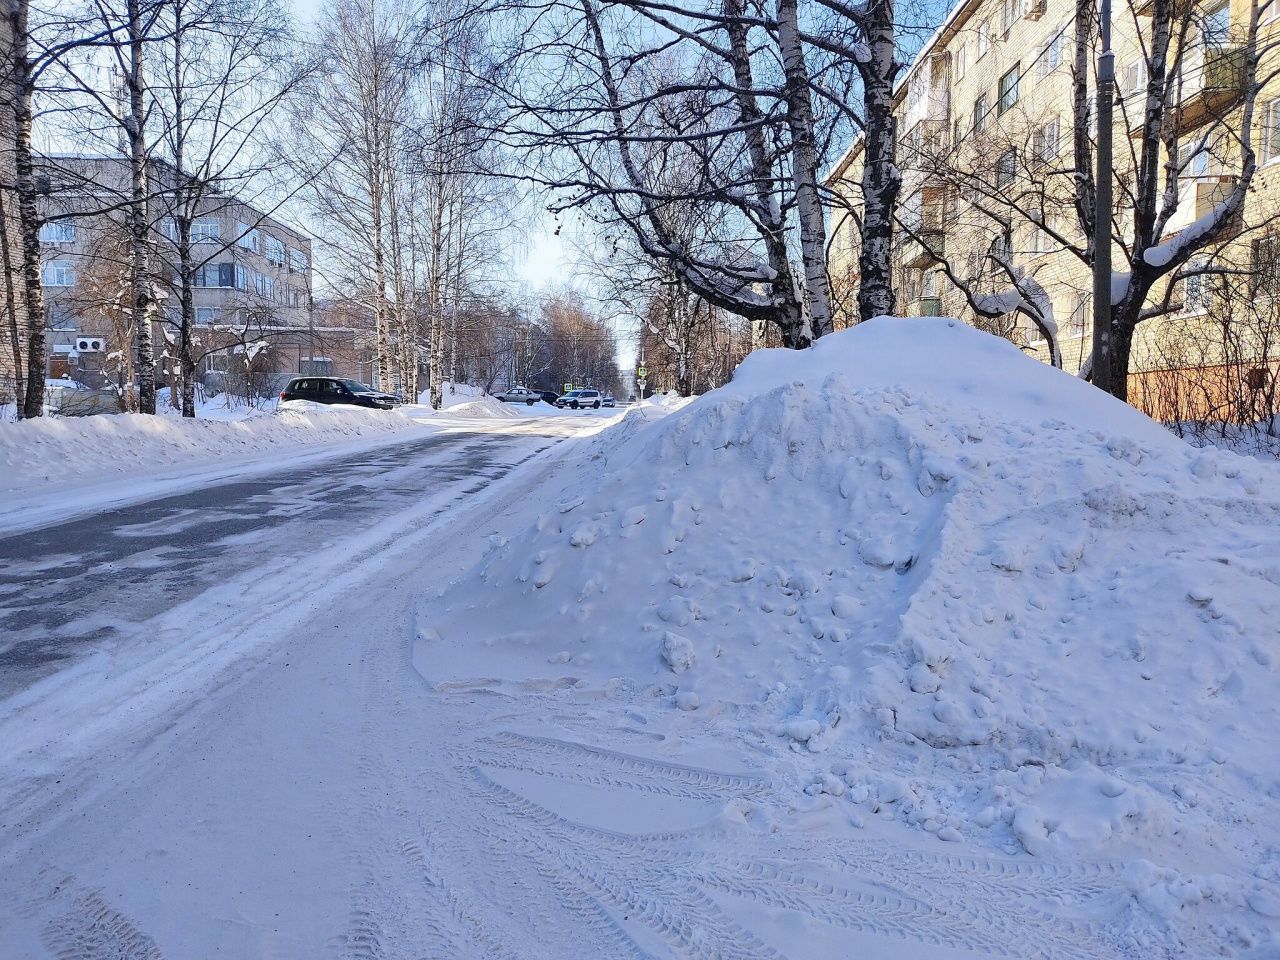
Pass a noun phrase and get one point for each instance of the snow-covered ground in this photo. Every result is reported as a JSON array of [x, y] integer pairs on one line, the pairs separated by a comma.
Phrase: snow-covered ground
[[55, 466], [981, 599], [906, 647]]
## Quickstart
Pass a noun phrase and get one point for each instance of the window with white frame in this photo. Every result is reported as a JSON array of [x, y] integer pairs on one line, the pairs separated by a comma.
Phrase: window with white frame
[[983, 40], [1046, 140], [1195, 159], [242, 277], [247, 237], [297, 261], [264, 286], [205, 230], [58, 231], [1271, 129], [962, 59], [207, 315], [1052, 55], [915, 90], [1009, 89], [1134, 79], [1197, 288], [979, 113], [275, 251], [1080, 314], [1268, 11], [1216, 30], [59, 273], [1009, 12]]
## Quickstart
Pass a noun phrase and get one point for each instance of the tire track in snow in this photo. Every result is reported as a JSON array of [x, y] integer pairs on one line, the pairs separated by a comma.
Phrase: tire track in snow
[[94, 930]]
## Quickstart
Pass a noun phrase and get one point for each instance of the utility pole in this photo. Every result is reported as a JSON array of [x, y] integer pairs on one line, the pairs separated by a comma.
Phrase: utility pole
[[1102, 372]]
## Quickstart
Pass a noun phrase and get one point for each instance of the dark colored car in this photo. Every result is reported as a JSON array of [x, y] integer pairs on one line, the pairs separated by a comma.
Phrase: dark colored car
[[335, 390], [549, 396]]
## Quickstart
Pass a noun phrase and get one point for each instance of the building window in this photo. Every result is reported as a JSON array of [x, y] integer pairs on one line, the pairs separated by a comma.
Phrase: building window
[[1217, 26], [215, 275], [246, 237], [1046, 141], [264, 286], [1051, 56], [1198, 289], [1009, 90], [979, 113], [1009, 11], [1002, 245], [58, 231], [275, 251], [1080, 314], [1271, 127], [205, 230], [1196, 159], [241, 277], [962, 58], [316, 366], [207, 315], [1269, 11], [1134, 81], [1007, 168], [59, 273], [1266, 267], [984, 40], [297, 261]]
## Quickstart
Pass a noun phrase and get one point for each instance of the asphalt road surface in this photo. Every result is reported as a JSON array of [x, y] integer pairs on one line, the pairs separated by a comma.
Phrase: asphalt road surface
[[93, 583]]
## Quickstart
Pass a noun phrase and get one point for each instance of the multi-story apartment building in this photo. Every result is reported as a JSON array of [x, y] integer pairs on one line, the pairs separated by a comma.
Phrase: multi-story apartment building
[[252, 272], [985, 120]]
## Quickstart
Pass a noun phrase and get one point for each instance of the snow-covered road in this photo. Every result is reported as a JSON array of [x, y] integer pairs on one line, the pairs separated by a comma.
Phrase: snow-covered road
[[93, 583], [273, 770]]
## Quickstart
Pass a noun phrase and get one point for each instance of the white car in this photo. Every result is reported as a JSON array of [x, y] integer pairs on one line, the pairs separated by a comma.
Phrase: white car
[[578, 399], [520, 395]]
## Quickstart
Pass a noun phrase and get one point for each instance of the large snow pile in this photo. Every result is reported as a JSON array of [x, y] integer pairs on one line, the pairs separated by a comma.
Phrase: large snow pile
[[943, 583], [484, 408], [38, 456], [464, 401]]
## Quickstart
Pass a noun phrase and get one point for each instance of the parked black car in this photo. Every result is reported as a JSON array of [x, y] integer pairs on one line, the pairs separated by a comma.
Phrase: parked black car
[[335, 390], [549, 396]]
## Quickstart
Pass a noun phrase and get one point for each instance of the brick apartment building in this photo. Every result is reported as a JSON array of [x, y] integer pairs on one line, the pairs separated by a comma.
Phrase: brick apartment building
[[989, 96]]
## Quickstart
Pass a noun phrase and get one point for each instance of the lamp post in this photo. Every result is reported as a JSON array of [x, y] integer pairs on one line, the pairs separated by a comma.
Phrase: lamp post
[[1102, 372]]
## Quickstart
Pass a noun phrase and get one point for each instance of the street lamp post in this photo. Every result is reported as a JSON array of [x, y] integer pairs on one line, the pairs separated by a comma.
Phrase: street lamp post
[[1102, 372]]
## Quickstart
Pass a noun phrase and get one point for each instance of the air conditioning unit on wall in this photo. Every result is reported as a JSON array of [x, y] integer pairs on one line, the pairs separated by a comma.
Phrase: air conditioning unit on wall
[[89, 345]]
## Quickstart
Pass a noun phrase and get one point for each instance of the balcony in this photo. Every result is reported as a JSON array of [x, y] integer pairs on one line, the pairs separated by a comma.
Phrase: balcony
[[924, 252], [1197, 199], [1212, 83], [927, 139], [927, 307], [1182, 8]]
